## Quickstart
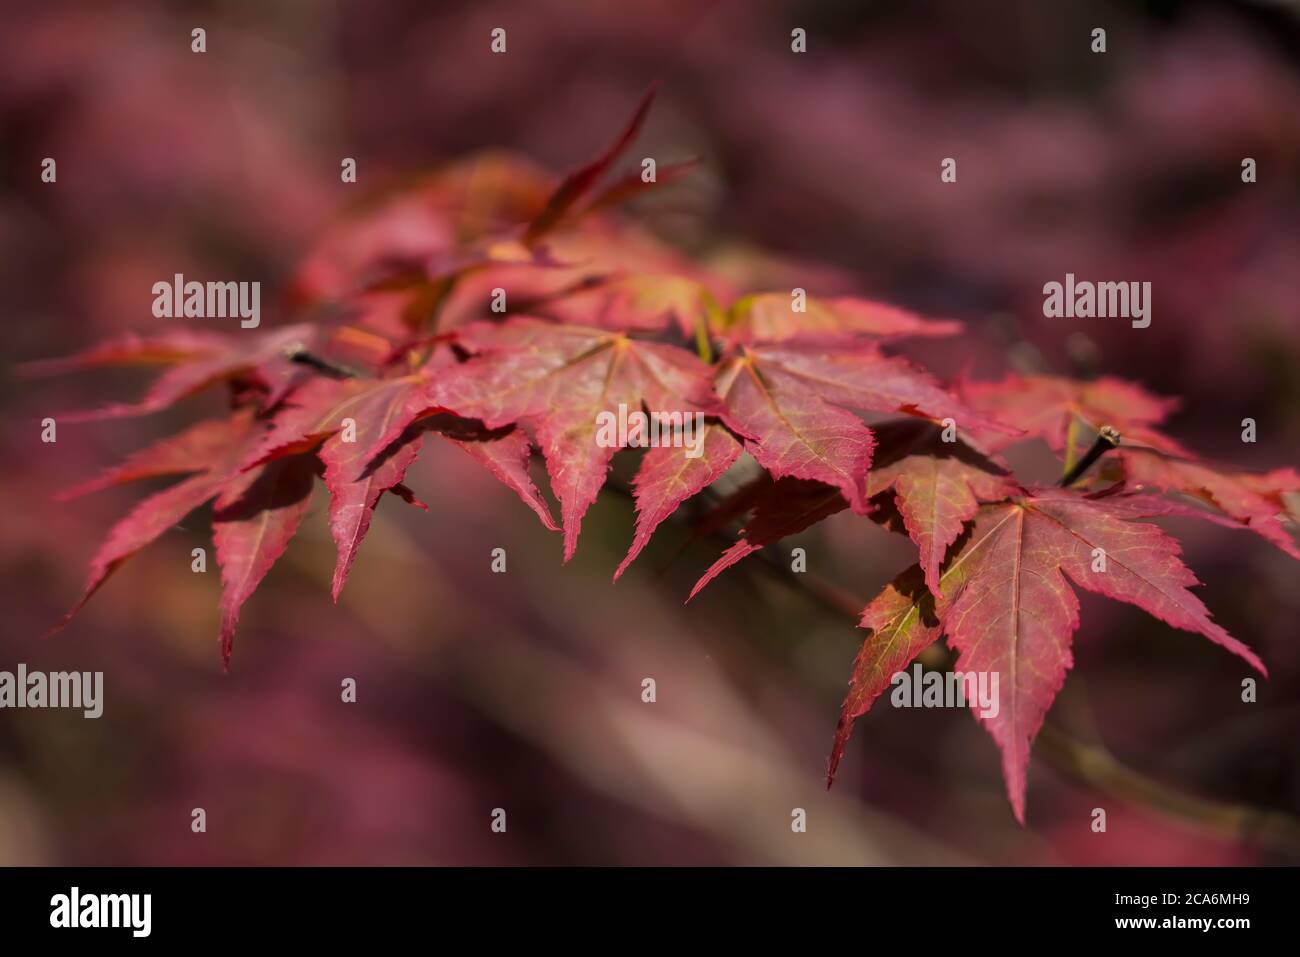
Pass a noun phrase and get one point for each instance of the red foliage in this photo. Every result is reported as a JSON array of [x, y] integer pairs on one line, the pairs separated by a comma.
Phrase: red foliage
[[603, 319]]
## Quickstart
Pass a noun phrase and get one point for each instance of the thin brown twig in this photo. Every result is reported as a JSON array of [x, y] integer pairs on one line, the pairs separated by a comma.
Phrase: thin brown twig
[[1096, 766], [1107, 438], [335, 370]]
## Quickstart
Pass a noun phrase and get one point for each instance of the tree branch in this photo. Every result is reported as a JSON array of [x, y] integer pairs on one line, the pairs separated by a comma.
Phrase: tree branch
[[1107, 439], [334, 370]]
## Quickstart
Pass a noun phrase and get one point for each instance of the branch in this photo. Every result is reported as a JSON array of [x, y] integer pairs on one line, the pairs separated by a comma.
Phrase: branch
[[1096, 766], [1107, 439], [334, 370]]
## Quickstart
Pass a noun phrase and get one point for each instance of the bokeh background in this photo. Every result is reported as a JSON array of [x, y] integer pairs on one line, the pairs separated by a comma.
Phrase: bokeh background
[[522, 690]]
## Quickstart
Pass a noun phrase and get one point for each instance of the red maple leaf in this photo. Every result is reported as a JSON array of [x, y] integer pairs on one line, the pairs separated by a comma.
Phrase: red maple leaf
[[193, 361], [1008, 609], [773, 317], [557, 381], [936, 487], [791, 402], [1069, 413], [213, 461]]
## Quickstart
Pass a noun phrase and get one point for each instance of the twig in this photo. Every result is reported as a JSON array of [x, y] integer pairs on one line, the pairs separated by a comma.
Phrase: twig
[[324, 366], [1107, 439], [1098, 767]]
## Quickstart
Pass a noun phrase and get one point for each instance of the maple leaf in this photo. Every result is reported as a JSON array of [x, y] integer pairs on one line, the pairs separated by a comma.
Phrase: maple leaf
[[634, 184], [938, 482], [1064, 411], [401, 264], [399, 255], [422, 229], [252, 522], [261, 480], [195, 360], [1254, 501], [214, 460], [678, 293], [771, 317], [426, 256], [341, 420], [579, 183], [936, 487], [556, 380], [195, 449], [646, 302], [1055, 409], [790, 402], [780, 508], [605, 273], [669, 476], [366, 435], [1008, 608], [1280, 486], [505, 453]]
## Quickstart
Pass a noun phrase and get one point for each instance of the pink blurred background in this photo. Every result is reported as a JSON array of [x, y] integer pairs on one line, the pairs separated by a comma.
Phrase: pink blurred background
[[522, 691]]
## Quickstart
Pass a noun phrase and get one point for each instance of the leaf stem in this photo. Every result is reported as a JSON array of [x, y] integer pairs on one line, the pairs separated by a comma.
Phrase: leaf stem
[[1071, 441], [1107, 439], [706, 317], [324, 366], [702, 347]]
